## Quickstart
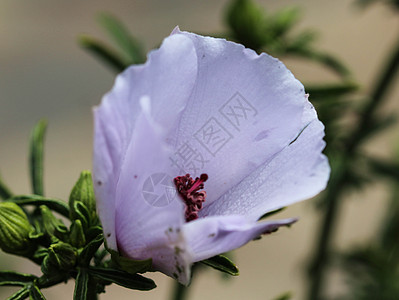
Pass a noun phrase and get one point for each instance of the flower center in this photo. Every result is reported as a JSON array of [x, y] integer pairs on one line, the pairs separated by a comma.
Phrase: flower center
[[188, 189]]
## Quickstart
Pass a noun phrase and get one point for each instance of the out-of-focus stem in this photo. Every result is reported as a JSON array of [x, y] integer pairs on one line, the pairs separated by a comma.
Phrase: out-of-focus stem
[[179, 291], [338, 181]]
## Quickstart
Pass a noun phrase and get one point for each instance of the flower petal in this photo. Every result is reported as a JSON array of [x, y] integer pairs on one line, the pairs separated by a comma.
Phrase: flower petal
[[115, 119], [244, 109], [296, 173], [211, 236], [149, 213]]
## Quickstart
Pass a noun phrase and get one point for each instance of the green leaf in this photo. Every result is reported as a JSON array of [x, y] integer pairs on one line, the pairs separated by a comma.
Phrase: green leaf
[[271, 213], [5, 192], [385, 168], [247, 22], [88, 252], [130, 281], [284, 20], [331, 90], [20, 294], [93, 232], [122, 37], [130, 265], [103, 52], [57, 205], [15, 279], [285, 296], [36, 157], [81, 285], [35, 293], [322, 58], [223, 264]]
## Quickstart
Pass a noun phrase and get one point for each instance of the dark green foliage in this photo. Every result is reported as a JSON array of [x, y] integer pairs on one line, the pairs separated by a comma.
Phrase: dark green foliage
[[58, 206], [103, 52], [131, 50], [20, 294], [36, 157], [259, 30], [122, 278], [129, 45], [10, 278], [223, 264]]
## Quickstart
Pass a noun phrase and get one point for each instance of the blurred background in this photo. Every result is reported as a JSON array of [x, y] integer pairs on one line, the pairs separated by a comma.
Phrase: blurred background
[[44, 73]]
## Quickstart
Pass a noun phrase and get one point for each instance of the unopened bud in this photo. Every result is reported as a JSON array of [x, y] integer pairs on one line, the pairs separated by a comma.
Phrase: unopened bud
[[83, 192], [61, 256], [14, 230]]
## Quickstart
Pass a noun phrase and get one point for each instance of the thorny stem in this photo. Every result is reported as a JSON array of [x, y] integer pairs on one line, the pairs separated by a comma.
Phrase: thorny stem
[[338, 181]]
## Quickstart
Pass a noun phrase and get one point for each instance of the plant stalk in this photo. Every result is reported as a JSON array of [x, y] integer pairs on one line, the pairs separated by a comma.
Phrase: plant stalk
[[338, 183]]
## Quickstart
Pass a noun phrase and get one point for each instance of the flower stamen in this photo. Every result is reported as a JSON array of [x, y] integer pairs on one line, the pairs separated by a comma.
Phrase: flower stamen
[[189, 190]]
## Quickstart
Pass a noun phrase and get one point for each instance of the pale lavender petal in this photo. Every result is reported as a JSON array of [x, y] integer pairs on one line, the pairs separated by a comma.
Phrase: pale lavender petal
[[149, 214], [296, 173], [210, 236], [244, 109], [115, 119]]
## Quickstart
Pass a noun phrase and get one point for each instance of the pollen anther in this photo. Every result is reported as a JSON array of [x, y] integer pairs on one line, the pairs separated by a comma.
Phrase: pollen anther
[[189, 191]]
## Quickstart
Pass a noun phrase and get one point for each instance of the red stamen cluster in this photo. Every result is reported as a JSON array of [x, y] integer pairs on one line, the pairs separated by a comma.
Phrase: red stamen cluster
[[188, 189]]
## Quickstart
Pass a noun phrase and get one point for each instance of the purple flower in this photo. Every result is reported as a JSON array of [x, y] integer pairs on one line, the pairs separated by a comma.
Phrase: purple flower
[[239, 122]]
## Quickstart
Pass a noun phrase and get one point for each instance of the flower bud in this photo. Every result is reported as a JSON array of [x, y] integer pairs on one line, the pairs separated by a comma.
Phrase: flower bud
[[83, 193], [61, 256], [14, 230]]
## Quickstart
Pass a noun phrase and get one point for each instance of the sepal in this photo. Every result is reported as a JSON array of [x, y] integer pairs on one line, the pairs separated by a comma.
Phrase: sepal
[[52, 225], [129, 265]]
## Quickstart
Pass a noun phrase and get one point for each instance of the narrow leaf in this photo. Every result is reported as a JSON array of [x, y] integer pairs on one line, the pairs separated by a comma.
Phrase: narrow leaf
[[223, 264], [103, 52], [20, 294], [57, 205], [331, 90], [81, 285], [122, 37], [15, 279], [90, 249], [35, 293], [130, 281], [385, 168], [36, 157], [271, 213], [322, 58]]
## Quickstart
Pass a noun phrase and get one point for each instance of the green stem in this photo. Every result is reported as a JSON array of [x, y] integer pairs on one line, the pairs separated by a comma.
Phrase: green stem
[[338, 181], [92, 293], [179, 291]]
